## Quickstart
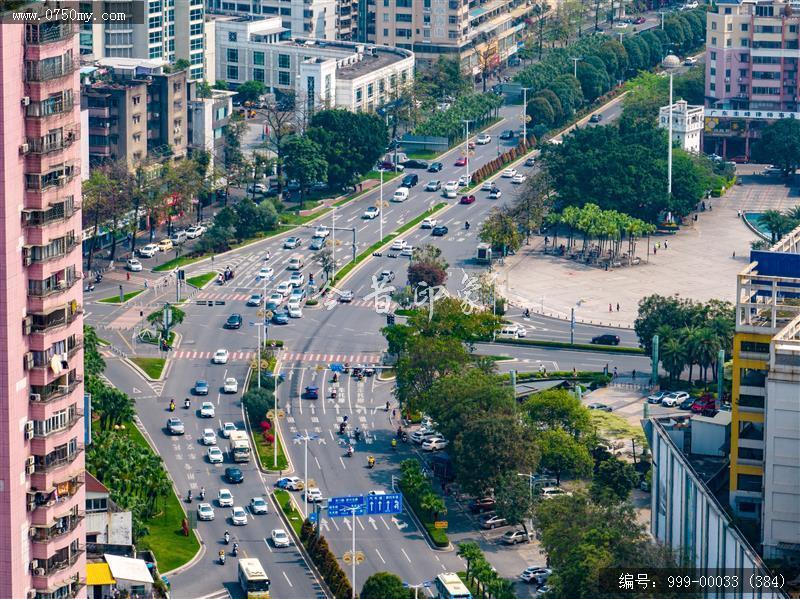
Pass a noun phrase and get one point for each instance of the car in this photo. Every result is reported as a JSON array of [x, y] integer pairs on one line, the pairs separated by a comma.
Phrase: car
[[463, 181], [483, 139], [687, 404], [294, 311], [703, 404], [387, 276], [205, 512], [620, 25], [266, 272], [535, 575], [297, 279], [507, 134], [238, 516], [290, 483], [451, 186], [512, 537], [227, 429], [200, 387], [428, 223], [292, 243], [657, 397], [530, 161], [224, 498], [220, 356], [387, 165], [175, 426], [639, 20], [495, 194], [674, 398], [258, 505], [195, 231], [284, 288], [313, 495], [209, 437], [294, 185], [257, 188], [207, 410], [439, 231], [133, 265], [234, 321], [407, 251], [471, 145], [165, 245], [317, 243], [230, 385], [599, 406], [215, 455], [280, 538], [255, 300], [397, 245], [518, 179], [401, 195], [298, 294], [461, 161], [493, 521], [280, 318], [371, 212], [422, 434], [606, 339], [311, 392], [435, 167], [488, 185], [550, 492], [435, 444], [772, 170], [482, 504], [508, 173], [234, 475], [148, 251], [434, 185], [410, 180], [596, 118], [322, 231], [414, 163], [346, 296], [276, 298]]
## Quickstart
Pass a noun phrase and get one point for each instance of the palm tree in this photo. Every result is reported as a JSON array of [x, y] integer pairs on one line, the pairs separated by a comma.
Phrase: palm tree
[[470, 553], [775, 222], [431, 502], [673, 358], [708, 345]]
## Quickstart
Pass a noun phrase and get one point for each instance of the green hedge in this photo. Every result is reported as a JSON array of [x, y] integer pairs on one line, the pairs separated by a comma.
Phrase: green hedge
[[326, 562], [437, 535], [612, 349]]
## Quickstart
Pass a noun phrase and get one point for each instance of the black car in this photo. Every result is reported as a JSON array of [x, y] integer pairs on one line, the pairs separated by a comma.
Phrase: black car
[[439, 231], [272, 305], [686, 404], [606, 339], [410, 180], [280, 318], [435, 167], [234, 475], [234, 321], [507, 134], [415, 163], [596, 118], [311, 392], [599, 406]]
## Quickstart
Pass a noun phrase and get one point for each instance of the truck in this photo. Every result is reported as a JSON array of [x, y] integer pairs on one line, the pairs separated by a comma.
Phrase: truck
[[483, 253], [240, 446]]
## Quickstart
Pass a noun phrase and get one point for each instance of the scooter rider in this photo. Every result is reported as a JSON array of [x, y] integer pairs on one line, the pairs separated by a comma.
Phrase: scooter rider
[[235, 549], [171, 405], [221, 556], [202, 494], [394, 444], [187, 403], [227, 537], [371, 461], [466, 225], [189, 496], [349, 451]]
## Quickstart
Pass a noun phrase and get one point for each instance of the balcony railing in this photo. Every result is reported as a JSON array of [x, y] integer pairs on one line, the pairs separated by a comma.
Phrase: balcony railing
[[51, 106], [43, 145], [61, 285], [54, 564], [56, 212], [48, 32], [63, 589], [56, 463], [60, 493], [38, 71], [76, 415], [54, 391], [64, 526]]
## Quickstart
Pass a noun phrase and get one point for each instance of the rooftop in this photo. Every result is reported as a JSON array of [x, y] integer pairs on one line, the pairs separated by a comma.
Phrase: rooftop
[[93, 485], [376, 57]]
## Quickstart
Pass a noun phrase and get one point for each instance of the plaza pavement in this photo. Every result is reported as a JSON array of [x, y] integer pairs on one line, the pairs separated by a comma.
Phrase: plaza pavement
[[698, 264]]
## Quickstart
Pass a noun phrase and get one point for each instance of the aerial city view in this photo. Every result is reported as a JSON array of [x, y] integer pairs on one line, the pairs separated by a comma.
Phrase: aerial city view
[[399, 299]]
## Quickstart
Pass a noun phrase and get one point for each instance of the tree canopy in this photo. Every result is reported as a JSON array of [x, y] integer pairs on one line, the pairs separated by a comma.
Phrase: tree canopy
[[779, 145]]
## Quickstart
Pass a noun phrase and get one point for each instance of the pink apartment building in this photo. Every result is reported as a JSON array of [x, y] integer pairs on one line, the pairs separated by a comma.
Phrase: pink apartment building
[[41, 359]]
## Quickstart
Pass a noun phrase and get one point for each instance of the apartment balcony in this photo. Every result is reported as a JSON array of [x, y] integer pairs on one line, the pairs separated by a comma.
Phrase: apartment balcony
[[49, 144], [40, 182], [51, 463], [51, 501], [42, 395], [62, 589], [39, 253], [57, 529], [58, 212], [102, 151], [40, 71], [99, 112], [55, 285], [48, 32], [53, 106], [52, 436], [61, 560]]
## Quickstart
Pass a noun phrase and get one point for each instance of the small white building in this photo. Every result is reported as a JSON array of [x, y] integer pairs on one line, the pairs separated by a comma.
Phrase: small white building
[[687, 125], [334, 74]]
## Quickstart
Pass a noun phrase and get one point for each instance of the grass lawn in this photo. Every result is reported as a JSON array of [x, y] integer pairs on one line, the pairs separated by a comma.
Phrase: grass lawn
[[295, 517], [115, 298], [612, 426], [266, 452], [387, 374], [153, 367], [200, 280], [423, 154], [166, 539], [101, 341], [154, 340]]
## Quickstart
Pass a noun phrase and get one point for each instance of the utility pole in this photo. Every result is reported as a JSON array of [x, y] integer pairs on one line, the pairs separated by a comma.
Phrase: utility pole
[[380, 209], [575, 65], [466, 142], [525, 91]]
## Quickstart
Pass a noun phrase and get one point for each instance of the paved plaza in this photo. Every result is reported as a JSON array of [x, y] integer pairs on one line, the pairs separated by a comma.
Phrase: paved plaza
[[698, 262]]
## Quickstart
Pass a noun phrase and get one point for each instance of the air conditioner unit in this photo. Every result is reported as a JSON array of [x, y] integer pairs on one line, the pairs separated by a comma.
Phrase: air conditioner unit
[[34, 564], [31, 506], [32, 531], [39, 572], [30, 460], [29, 430], [30, 469], [26, 100], [24, 148], [34, 397], [32, 594], [27, 259], [27, 325], [28, 361]]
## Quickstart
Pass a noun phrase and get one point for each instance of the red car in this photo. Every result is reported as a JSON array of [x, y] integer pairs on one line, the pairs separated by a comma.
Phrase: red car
[[461, 161], [639, 20], [467, 199], [704, 403]]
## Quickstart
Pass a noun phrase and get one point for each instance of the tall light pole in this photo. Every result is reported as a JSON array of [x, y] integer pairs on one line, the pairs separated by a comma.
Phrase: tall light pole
[[298, 438], [525, 91], [670, 63], [275, 375], [426, 584], [466, 142], [380, 208], [354, 557], [258, 326], [575, 60], [333, 233]]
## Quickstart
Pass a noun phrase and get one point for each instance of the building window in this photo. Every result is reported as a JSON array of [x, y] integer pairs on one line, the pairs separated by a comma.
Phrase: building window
[[258, 75], [752, 377], [283, 78], [403, 18], [99, 504], [403, 3], [712, 86], [713, 25], [751, 453], [197, 29], [751, 431], [745, 26], [284, 61], [754, 346], [359, 94], [258, 58], [748, 482], [233, 55], [231, 36], [713, 41], [712, 71], [233, 73], [197, 59], [713, 55]]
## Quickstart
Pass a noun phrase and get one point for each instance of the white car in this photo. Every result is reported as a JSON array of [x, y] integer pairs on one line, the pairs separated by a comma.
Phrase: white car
[[207, 410], [435, 444], [195, 231], [227, 429], [258, 505], [313, 495], [133, 265], [550, 492], [483, 139], [322, 231], [266, 272], [509, 173], [428, 223], [276, 297], [290, 483], [423, 434], [297, 279], [451, 186], [294, 311], [238, 516], [401, 195], [463, 181], [231, 385], [495, 194], [205, 512], [488, 185], [398, 245], [220, 356], [284, 287], [224, 498], [215, 455], [620, 25], [407, 251], [371, 212], [148, 251], [536, 574], [675, 398], [209, 436], [280, 538], [518, 179]]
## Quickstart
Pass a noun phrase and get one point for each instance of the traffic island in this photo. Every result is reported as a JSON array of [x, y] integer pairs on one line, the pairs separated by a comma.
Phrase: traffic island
[[200, 281], [115, 299], [151, 368], [424, 505]]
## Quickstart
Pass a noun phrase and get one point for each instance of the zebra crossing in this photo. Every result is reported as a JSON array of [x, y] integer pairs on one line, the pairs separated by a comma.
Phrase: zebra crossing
[[243, 297], [286, 357]]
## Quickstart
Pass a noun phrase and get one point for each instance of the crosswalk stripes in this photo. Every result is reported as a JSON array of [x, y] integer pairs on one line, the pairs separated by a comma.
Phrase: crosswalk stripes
[[220, 594], [241, 297], [286, 357]]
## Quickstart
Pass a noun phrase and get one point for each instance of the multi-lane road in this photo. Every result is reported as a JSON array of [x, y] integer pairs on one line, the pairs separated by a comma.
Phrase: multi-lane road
[[343, 333]]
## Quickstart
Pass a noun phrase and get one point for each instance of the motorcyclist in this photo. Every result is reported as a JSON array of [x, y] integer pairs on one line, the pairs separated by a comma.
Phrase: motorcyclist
[[202, 493], [399, 431], [466, 225], [349, 451], [333, 393], [335, 377], [187, 402], [171, 405], [227, 537], [394, 444], [371, 461], [221, 556], [527, 313], [189, 496], [342, 425], [386, 409], [358, 434], [235, 549]]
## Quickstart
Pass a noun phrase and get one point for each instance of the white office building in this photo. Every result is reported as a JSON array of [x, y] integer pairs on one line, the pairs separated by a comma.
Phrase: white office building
[[355, 76], [687, 125], [317, 19]]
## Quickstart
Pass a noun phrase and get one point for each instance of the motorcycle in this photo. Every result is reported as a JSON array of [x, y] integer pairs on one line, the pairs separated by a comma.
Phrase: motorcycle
[[226, 537], [187, 403], [202, 494], [358, 435], [466, 225], [335, 378], [341, 428], [172, 406], [189, 496], [333, 393], [370, 462], [235, 549], [350, 451], [404, 437], [90, 287], [98, 277], [222, 557]]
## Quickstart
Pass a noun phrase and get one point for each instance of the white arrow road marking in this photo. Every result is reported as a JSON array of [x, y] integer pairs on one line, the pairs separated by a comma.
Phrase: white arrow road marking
[[333, 521], [379, 555], [399, 524], [324, 524], [404, 553], [135, 390], [347, 522], [317, 461], [371, 520], [361, 524]]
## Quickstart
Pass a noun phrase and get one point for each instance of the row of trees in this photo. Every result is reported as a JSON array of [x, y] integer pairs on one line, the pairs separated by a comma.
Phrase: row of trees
[[326, 562], [477, 108], [780, 223], [233, 224]]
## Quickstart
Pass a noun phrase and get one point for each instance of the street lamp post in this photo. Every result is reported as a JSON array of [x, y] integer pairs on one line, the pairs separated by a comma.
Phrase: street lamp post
[[424, 584], [670, 63], [298, 438], [466, 142], [525, 91], [380, 208], [353, 556], [575, 60]]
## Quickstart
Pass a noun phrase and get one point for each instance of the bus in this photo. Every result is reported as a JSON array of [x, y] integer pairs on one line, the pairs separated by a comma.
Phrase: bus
[[253, 579], [450, 586]]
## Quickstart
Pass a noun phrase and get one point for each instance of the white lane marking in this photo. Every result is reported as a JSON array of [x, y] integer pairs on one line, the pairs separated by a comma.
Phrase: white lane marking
[[266, 542], [379, 555], [317, 461], [404, 553], [287, 579], [342, 461]]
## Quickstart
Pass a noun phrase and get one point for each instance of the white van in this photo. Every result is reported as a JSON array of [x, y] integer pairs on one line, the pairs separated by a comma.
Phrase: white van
[[401, 195], [295, 262], [179, 237], [512, 331]]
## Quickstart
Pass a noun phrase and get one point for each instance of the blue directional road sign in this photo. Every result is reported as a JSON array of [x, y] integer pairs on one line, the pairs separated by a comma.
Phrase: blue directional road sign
[[339, 507], [336, 367], [391, 503], [312, 517]]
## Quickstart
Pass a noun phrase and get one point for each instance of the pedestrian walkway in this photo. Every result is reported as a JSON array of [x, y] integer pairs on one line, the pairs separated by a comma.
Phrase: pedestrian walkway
[[242, 297], [285, 357], [126, 320]]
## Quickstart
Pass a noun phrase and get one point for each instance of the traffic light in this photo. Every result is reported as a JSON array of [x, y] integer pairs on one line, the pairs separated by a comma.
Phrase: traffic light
[[390, 319]]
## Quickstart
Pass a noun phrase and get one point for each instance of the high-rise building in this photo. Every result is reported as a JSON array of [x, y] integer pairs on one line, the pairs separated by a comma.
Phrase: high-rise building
[[483, 35], [318, 19], [751, 71], [169, 29], [42, 503]]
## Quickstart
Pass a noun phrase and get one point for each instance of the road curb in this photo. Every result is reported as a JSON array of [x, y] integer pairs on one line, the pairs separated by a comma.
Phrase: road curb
[[143, 374]]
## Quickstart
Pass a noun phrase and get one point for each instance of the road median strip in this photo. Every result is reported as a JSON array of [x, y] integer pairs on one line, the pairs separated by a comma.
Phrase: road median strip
[[611, 349]]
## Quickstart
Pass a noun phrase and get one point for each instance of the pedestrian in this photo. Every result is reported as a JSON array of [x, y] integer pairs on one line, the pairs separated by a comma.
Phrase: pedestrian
[[655, 250], [695, 218], [394, 412], [617, 306], [574, 372], [634, 373], [145, 283], [734, 253], [609, 308], [615, 372], [665, 244], [738, 214], [128, 276]]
